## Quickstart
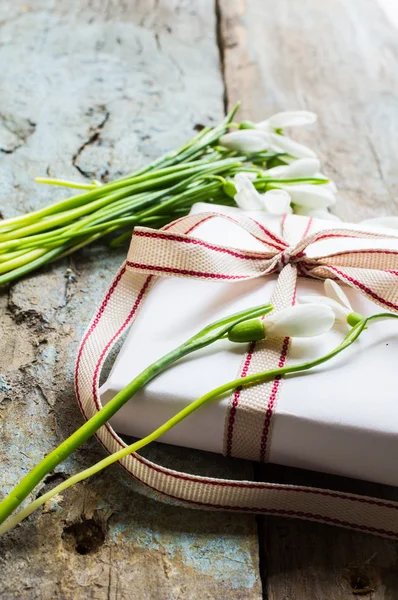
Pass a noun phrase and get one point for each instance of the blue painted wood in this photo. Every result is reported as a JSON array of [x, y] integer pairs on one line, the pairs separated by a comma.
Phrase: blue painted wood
[[91, 90]]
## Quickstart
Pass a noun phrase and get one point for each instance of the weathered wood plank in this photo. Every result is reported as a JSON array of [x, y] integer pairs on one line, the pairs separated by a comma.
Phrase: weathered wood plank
[[140, 75], [339, 59]]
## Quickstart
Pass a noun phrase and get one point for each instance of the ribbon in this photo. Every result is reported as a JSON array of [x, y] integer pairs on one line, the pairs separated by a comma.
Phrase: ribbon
[[250, 413], [174, 251], [373, 272]]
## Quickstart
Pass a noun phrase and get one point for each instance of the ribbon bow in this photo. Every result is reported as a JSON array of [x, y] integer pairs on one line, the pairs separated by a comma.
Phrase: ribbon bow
[[248, 423], [373, 272]]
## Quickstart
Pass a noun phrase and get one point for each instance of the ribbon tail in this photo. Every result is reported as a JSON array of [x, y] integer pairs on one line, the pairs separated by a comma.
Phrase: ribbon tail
[[246, 434]]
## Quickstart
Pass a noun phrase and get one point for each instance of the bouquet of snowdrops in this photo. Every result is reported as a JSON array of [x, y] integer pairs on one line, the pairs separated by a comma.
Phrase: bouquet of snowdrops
[[255, 166]]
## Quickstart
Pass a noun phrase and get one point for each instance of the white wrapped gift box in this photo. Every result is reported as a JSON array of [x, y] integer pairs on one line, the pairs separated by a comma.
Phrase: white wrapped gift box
[[341, 417]]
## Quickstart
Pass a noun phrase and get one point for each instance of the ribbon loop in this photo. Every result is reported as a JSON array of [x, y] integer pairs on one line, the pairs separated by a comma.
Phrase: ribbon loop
[[372, 271]]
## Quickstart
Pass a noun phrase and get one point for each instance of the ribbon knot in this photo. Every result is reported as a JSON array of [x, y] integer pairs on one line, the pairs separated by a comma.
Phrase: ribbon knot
[[372, 271], [284, 258]]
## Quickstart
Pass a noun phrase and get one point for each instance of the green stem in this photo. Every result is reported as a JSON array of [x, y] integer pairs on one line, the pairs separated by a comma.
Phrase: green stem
[[205, 337], [72, 215], [113, 224], [212, 395], [134, 178], [31, 266], [188, 150], [68, 184]]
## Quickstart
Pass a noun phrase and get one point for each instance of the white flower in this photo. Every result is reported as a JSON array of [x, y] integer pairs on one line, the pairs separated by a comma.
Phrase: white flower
[[335, 299], [276, 202], [289, 146], [258, 140], [296, 321], [303, 167], [306, 166], [291, 118], [246, 140], [299, 321], [389, 222], [264, 135], [310, 196]]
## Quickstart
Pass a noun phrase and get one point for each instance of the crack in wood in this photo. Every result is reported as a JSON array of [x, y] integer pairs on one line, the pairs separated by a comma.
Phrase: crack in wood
[[94, 138], [14, 132], [221, 51]]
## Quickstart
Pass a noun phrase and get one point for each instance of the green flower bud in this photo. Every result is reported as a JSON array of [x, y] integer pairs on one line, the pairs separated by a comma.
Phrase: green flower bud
[[229, 188], [354, 318], [248, 331], [247, 125]]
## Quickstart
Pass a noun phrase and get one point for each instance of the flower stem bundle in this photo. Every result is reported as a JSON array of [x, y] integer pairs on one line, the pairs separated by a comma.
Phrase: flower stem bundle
[[200, 171]]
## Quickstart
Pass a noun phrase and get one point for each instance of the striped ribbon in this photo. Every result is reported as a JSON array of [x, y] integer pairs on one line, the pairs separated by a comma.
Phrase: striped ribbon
[[174, 251]]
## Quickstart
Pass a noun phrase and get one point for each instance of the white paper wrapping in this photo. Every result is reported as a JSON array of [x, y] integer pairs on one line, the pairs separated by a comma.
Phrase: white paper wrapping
[[341, 417]]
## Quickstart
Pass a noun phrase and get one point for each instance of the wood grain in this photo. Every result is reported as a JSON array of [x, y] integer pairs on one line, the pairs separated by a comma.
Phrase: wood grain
[[340, 59], [94, 89]]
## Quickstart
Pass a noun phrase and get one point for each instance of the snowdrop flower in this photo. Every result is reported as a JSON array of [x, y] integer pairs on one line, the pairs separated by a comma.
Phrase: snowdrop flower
[[310, 196], [247, 140], [276, 202], [336, 300], [296, 321], [390, 222], [257, 140], [283, 142], [291, 118], [289, 146], [308, 164], [303, 167], [264, 135]]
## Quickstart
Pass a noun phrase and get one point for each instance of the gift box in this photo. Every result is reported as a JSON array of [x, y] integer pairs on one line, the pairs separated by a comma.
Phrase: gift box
[[341, 417]]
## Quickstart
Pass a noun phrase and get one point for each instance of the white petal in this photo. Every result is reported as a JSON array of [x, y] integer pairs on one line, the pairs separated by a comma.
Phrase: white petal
[[310, 196], [264, 125], [319, 213], [330, 185], [391, 222], [242, 182], [279, 171], [247, 197], [306, 320], [334, 291], [310, 299], [340, 312], [291, 147], [276, 202], [292, 118], [250, 175], [245, 140], [303, 167]]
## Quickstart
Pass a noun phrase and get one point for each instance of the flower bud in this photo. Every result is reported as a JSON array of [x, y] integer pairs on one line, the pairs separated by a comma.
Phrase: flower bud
[[229, 188], [247, 125], [354, 318], [248, 331]]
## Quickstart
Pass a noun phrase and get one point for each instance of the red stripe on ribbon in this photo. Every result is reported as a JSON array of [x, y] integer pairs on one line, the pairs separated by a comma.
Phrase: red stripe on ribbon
[[197, 242], [175, 271], [364, 288]]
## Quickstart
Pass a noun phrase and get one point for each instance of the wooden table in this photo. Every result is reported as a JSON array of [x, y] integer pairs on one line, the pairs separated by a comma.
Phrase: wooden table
[[91, 89]]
